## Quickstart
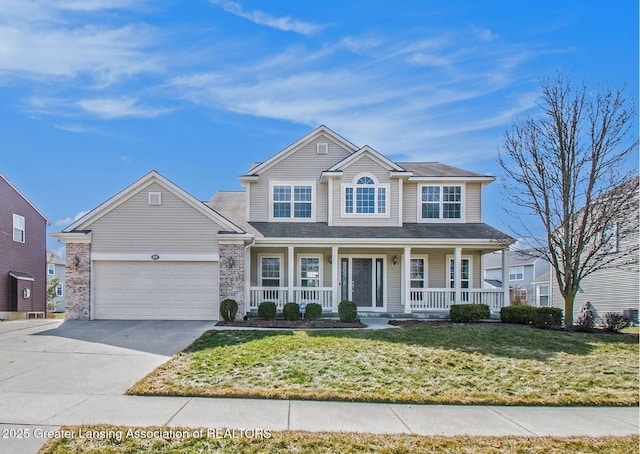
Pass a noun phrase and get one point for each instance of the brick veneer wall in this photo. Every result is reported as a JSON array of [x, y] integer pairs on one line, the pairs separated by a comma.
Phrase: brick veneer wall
[[77, 292], [231, 274]]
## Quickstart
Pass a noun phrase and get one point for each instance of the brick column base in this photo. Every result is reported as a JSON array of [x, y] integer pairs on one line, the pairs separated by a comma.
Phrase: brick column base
[[77, 289]]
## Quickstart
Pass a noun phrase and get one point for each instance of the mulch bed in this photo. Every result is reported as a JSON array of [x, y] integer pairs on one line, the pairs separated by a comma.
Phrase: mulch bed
[[295, 324]]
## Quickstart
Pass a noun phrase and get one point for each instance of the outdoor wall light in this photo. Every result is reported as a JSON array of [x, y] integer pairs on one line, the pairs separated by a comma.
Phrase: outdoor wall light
[[76, 260], [330, 259], [231, 262], [394, 260]]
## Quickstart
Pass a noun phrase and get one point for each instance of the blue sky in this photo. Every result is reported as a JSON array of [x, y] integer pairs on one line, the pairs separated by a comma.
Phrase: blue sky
[[96, 93]]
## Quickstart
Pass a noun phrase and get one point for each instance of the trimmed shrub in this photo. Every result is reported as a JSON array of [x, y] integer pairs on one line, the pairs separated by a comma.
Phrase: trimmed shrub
[[614, 322], [228, 309], [548, 318], [585, 322], [519, 315], [291, 311], [267, 310], [468, 313], [347, 311], [313, 311]]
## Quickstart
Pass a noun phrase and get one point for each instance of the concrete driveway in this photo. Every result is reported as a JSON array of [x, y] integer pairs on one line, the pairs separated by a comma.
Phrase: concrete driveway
[[49, 368]]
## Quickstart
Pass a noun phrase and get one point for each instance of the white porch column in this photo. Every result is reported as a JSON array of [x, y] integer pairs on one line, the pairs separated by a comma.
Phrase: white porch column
[[457, 272], [290, 273], [505, 276], [335, 278], [406, 274]]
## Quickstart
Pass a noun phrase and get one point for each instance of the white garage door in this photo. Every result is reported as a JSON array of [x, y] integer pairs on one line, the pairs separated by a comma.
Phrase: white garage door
[[155, 290]]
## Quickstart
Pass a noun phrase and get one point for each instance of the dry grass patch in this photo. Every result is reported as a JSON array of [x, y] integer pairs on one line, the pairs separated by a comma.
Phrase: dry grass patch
[[452, 364], [303, 442]]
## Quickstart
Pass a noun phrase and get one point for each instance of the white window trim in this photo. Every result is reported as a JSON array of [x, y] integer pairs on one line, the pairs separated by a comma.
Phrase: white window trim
[[354, 185], [282, 268], [291, 184], [322, 148], [442, 219], [320, 258], [539, 294], [464, 257], [514, 273], [51, 269], [19, 223], [60, 286], [425, 278]]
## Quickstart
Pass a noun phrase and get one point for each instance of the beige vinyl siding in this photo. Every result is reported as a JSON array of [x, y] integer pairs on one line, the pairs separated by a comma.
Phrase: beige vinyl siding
[[473, 202], [303, 165], [394, 283], [410, 203], [172, 227], [365, 165], [438, 267]]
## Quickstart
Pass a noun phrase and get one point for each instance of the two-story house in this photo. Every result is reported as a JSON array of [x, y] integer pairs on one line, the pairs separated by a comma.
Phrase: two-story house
[[321, 221], [525, 269], [56, 269], [23, 258]]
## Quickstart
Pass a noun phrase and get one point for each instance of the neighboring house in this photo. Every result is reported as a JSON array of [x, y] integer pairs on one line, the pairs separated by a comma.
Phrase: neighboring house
[[616, 287], [321, 221], [23, 255], [524, 269], [56, 268]]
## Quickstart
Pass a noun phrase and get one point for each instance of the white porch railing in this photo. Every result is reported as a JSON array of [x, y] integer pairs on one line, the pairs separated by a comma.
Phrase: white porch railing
[[280, 296], [429, 299]]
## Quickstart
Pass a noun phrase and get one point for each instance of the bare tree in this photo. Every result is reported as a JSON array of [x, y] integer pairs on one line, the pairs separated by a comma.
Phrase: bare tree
[[565, 167]]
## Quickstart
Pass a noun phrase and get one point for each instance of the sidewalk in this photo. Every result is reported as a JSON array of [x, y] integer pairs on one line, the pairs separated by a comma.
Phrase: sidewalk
[[53, 410]]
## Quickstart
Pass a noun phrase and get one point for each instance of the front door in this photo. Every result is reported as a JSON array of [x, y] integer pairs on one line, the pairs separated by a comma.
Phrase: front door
[[361, 285]]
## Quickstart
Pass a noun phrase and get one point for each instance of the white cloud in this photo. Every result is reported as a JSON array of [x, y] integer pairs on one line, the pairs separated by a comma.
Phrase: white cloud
[[68, 221], [285, 23], [114, 108]]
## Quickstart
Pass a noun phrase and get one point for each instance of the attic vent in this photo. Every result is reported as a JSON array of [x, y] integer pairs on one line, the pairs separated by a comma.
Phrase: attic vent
[[322, 148], [155, 198]]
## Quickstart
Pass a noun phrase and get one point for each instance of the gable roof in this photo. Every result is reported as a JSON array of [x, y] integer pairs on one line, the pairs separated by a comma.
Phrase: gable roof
[[275, 159], [366, 151], [25, 199], [136, 187]]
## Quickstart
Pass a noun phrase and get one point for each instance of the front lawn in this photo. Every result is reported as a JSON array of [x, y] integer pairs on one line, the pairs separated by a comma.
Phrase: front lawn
[[449, 364], [125, 440]]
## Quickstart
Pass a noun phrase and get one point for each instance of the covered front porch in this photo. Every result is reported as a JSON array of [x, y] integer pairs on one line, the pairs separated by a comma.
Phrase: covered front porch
[[383, 280]]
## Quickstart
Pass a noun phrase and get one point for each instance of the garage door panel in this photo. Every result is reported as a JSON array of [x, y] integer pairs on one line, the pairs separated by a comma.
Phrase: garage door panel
[[155, 290]]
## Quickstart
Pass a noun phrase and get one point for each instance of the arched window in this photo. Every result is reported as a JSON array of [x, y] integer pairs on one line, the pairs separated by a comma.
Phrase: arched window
[[365, 196]]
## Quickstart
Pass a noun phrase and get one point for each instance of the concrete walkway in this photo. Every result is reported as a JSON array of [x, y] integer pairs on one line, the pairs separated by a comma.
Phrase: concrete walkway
[[76, 373]]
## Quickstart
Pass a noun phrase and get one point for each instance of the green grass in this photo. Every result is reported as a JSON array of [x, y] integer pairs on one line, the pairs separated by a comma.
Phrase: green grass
[[304, 442], [450, 364]]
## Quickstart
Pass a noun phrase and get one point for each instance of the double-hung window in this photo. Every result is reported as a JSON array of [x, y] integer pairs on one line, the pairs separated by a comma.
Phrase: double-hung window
[[516, 273], [51, 269], [440, 202], [418, 274], [310, 271], [365, 196], [270, 271], [18, 228], [292, 201]]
